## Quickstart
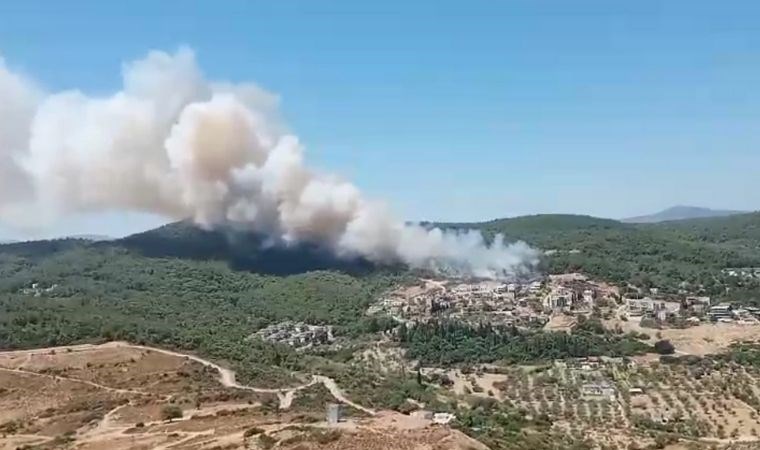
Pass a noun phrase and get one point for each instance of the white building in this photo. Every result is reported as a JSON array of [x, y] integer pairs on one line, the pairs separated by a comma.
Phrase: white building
[[559, 298], [602, 389], [649, 305], [588, 297], [443, 418]]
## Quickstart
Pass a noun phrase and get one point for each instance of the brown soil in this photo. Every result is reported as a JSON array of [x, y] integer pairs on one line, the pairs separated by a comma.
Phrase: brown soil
[[383, 432], [701, 340], [112, 396]]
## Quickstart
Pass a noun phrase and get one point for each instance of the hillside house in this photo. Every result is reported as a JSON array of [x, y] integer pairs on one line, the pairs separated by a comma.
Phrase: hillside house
[[697, 304], [721, 312], [588, 297], [644, 305]]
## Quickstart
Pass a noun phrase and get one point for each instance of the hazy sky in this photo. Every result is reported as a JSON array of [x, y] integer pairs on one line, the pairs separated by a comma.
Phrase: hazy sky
[[462, 110]]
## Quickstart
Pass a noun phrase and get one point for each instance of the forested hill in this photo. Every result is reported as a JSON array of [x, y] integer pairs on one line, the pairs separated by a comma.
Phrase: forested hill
[[663, 254], [241, 249], [184, 287], [741, 229], [151, 290], [542, 230]]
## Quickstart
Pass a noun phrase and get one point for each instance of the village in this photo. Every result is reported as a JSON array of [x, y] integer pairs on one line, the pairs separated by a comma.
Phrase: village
[[529, 304], [545, 301], [299, 335]]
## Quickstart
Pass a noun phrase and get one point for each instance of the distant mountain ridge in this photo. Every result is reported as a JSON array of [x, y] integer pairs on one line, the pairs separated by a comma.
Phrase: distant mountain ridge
[[682, 213]]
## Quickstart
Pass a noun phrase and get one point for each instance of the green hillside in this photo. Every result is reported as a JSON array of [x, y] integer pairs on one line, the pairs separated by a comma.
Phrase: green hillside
[[179, 286], [663, 255], [92, 292], [739, 230], [543, 230]]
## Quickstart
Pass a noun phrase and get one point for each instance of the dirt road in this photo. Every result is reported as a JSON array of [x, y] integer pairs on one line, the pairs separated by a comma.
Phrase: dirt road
[[227, 379], [73, 380], [335, 391], [226, 376]]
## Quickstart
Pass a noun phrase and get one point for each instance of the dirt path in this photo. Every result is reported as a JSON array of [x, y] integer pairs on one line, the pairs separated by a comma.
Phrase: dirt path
[[226, 376], [736, 440], [189, 435], [335, 391], [109, 428], [285, 395], [74, 380], [54, 350], [105, 423]]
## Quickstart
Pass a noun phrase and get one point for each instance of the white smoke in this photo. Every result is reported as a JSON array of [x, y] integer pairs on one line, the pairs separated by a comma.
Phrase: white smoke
[[173, 143]]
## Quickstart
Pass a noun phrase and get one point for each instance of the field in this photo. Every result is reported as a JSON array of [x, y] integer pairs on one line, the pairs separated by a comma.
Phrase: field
[[704, 339], [120, 396], [111, 396], [613, 403]]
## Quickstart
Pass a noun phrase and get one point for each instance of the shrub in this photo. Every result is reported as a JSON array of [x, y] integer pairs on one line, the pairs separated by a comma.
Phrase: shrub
[[252, 432], [170, 412], [664, 347], [9, 427], [406, 408], [266, 442], [325, 437]]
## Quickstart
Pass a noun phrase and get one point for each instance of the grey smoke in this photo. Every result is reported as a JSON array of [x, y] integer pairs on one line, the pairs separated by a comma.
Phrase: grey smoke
[[173, 143]]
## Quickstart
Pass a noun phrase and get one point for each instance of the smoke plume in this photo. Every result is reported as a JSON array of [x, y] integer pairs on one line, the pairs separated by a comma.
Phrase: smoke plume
[[173, 143]]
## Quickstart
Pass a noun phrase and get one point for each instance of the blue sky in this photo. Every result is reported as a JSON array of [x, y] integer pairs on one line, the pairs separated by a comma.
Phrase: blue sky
[[456, 110]]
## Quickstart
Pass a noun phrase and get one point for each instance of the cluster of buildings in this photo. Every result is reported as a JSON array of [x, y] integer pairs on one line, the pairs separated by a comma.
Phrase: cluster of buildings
[[660, 309], [726, 312], [574, 294], [536, 302], [692, 308], [565, 298], [530, 303], [296, 334], [663, 309], [477, 301]]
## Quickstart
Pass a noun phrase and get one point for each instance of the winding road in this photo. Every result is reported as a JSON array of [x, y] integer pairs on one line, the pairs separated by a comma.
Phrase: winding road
[[108, 429], [226, 376]]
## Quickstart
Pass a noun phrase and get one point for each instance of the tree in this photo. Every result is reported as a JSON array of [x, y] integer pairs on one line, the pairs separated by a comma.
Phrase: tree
[[170, 412], [664, 347]]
